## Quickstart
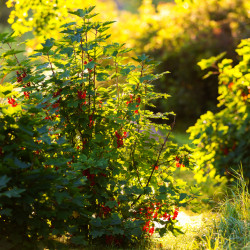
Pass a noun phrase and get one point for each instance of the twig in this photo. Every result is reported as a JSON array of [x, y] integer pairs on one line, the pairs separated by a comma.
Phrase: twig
[[157, 161]]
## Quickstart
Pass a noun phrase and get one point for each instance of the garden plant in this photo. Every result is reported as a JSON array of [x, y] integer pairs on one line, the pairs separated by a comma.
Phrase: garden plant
[[80, 156]]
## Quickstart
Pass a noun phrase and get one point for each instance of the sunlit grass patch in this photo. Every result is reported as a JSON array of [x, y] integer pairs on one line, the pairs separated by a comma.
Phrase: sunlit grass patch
[[193, 227], [232, 230]]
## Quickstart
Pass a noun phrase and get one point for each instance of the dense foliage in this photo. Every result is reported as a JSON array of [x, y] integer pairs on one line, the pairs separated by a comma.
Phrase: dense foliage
[[35, 200], [80, 157], [223, 138], [178, 33]]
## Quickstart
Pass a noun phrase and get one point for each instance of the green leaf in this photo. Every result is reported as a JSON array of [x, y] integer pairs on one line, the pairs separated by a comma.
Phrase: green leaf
[[12, 52], [69, 51], [83, 13], [102, 76], [206, 63], [163, 189], [97, 233], [115, 219], [115, 53], [61, 196], [65, 74], [14, 192], [162, 231], [21, 164], [182, 196], [6, 211], [108, 23], [61, 140], [122, 198], [96, 222], [42, 130], [3, 36], [136, 232], [111, 204], [147, 190], [36, 55], [6, 92], [90, 65], [68, 24], [26, 130], [3, 181], [72, 104], [79, 240], [125, 71], [47, 45], [42, 66], [147, 78], [79, 12], [83, 158], [7, 38], [176, 231]]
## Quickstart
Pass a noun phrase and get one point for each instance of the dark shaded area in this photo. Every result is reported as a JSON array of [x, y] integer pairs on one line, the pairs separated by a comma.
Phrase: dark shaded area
[[4, 13]]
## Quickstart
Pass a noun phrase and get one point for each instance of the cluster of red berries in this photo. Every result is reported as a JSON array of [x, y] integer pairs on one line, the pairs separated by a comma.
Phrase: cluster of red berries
[[12, 102], [20, 79], [178, 164], [37, 152], [57, 93], [104, 211], [156, 167], [57, 103], [91, 121], [176, 212], [168, 216], [120, 138], [137, 100], [90, 177], [90, 60], [148, 229], [245, 94], [226, 150], [130, 101], [20, 76], [151, 212], [81, 94], [83, 145]]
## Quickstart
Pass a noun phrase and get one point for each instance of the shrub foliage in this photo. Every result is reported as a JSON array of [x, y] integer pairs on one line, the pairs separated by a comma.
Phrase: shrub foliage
[[80, 157], [222, 138]]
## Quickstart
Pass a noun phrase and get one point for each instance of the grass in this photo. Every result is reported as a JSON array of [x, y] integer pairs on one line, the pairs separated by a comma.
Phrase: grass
[[226, 227], [232, 229]]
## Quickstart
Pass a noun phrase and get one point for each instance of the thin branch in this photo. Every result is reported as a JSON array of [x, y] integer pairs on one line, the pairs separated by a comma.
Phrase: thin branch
[[15, 56], [157, 160]]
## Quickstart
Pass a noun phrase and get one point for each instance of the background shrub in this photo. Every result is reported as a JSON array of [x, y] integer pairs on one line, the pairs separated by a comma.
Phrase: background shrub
[[222, 138]]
